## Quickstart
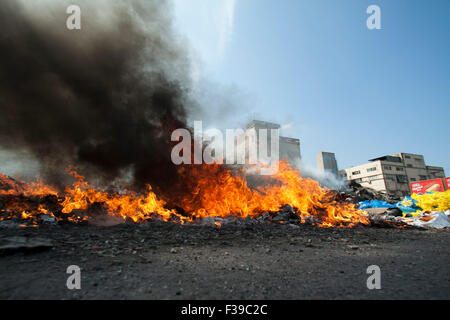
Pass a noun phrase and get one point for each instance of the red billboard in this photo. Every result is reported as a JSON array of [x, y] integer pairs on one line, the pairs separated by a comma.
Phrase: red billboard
[[423, 187], [447, 183]]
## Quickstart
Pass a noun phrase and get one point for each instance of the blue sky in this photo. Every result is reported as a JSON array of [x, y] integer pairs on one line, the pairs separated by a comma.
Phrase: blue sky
[[314, 67]]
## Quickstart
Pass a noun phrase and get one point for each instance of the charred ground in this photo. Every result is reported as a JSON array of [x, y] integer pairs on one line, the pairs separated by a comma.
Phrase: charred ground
[[238, 261]]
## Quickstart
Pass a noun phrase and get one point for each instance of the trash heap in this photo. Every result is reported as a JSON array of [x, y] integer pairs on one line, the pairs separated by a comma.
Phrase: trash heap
[[430, 210], [360, 193]]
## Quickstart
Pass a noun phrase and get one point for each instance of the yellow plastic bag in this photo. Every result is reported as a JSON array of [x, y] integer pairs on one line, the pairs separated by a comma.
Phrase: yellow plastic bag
[[436, 201]]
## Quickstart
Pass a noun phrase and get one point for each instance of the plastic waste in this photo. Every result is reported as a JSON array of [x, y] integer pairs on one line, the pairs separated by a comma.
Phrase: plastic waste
[[433, 201], [408, 205], [374, 204], [435, 220]]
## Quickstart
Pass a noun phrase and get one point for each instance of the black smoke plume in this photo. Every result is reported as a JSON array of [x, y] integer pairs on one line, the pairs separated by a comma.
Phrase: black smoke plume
[[104, 98]]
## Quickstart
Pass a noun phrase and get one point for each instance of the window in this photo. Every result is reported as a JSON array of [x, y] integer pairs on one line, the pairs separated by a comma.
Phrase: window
[[413, 179], [407, 157], [372, 169], [356, 173], [418, 159], [409, 165], [393, 159], [387, 167], [358, 180], [390, 177], [399, 169], [423, 177], [401, 179]]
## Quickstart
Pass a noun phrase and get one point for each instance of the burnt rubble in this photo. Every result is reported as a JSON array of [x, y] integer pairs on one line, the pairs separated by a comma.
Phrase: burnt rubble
[[46, 211], [18, 210]]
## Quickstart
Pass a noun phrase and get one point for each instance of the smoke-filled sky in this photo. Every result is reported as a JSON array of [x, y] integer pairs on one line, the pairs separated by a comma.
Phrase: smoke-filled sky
[[339, 87], [104, 98]]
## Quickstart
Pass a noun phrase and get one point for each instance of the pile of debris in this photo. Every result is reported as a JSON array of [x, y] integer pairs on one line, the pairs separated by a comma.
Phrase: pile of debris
[[21, 208], [10, 185], [360, 193], [430, 210], [13, 215], [424, 220]]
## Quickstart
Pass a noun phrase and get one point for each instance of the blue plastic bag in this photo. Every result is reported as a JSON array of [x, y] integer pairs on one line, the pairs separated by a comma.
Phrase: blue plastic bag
[[374, 204], [408, 205]]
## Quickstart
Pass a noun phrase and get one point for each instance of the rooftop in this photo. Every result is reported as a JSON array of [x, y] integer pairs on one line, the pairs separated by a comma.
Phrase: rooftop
[[263, 125], [387, 158]]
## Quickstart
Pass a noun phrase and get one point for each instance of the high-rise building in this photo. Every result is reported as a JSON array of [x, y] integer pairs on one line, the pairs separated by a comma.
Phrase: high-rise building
[[326, 161], [289, 148]]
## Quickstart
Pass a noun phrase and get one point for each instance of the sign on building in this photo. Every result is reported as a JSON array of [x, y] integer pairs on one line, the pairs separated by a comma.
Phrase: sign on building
[[422, 187], [447, 183]]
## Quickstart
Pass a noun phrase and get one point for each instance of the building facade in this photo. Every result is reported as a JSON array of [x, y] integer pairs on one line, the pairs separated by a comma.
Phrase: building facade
[[393, 174], [326, 161], [289, 148]]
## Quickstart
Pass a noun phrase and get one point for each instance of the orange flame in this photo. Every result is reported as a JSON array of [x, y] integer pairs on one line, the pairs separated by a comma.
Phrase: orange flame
[[15, 187], [127, 205], [229, 194], [215, 192]]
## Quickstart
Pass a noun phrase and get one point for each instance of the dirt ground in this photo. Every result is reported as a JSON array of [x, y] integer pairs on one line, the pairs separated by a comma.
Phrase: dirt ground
[[167, 261]]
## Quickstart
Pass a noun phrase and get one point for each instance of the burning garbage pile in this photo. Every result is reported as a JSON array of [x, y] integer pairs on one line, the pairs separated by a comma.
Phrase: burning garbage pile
[[107, 104], [108, 97], [216, 193], [213, 195]]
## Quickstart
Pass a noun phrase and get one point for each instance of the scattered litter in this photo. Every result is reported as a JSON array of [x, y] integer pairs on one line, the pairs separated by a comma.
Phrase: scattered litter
[[434, 220], [408, 205], [395, 212]]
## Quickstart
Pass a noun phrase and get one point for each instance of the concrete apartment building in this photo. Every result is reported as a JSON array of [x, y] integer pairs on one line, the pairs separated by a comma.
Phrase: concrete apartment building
[[326, 161], [393, 174]]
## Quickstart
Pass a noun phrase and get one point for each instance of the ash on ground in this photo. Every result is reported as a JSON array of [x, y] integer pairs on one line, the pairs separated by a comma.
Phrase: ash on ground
[[157, 260]]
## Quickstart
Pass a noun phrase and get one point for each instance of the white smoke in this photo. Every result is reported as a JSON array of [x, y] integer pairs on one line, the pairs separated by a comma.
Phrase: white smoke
[[326, 179], [20, 164]]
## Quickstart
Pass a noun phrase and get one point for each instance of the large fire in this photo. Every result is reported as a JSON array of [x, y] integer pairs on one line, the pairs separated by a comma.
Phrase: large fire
[[215, 192]]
